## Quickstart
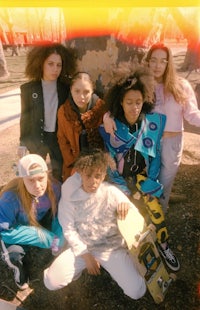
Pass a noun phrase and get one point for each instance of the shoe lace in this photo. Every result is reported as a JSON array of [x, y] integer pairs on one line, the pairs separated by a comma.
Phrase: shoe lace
[[169, 255], [5, 256]]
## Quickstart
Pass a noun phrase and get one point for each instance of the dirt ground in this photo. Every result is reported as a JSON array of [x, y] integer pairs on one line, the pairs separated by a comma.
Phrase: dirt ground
[[102, 293]]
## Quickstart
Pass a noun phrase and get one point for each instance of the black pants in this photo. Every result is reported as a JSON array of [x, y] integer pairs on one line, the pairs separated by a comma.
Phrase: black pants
[[52, 147]]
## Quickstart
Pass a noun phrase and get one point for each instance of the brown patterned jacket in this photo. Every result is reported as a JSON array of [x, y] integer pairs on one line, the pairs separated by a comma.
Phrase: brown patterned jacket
[[69, 130]]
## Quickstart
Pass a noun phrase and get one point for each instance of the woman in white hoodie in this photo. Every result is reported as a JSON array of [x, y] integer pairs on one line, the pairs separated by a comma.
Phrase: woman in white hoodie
[[88, 212]]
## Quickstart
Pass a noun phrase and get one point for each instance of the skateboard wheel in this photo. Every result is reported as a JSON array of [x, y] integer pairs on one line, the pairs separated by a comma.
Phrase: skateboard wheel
[[173, 276], [159, 299]]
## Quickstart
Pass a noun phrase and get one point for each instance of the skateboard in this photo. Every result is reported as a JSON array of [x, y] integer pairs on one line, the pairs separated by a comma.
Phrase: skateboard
[[141, 244]]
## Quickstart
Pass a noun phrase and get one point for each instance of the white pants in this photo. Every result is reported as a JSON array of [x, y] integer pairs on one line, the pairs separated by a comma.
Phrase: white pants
[[66, 268], [171, 154]]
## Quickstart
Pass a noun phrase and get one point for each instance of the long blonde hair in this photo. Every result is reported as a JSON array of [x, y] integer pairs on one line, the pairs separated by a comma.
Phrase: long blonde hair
[[17, 186], [172, 82]]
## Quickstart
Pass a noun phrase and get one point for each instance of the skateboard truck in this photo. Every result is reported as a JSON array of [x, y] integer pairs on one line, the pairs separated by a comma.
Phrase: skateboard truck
[[164, 284]]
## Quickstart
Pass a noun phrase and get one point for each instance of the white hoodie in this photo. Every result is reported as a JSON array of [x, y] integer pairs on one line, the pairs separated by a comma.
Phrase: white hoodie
[[89, 220]]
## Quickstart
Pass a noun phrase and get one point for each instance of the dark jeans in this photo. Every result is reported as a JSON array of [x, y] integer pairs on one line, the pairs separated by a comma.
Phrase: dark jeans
[[52, 147]]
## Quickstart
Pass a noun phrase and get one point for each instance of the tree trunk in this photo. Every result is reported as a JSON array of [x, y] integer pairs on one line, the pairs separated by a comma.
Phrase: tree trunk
[[3, 66], [189, 28]]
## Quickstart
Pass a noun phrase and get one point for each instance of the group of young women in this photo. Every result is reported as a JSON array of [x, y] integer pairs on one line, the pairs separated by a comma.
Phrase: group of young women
[[139, 124]]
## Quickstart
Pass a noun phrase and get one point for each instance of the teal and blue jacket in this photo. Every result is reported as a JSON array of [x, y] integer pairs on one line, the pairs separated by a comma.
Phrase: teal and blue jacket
[[147, 141], [14, 224]]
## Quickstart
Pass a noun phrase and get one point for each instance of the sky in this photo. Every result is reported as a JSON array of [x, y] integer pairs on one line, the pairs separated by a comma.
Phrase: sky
[[96, 18]]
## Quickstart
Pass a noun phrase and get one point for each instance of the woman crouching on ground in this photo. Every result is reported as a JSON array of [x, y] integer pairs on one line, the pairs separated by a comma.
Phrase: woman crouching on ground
[[27, 200]]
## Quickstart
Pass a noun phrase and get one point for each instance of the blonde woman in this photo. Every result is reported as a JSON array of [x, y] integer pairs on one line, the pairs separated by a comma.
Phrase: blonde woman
[[176, 99], [24, 203]]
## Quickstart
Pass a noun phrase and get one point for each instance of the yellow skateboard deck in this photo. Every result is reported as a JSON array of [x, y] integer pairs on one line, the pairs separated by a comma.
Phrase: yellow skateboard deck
[[141, 244]]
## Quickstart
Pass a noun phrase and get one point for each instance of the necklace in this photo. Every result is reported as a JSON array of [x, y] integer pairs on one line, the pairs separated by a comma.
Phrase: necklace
[[134, 168]]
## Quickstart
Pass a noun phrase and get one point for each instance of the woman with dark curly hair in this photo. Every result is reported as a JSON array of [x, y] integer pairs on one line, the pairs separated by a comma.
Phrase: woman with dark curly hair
[[175, 98], [136, 148], [48, 67]]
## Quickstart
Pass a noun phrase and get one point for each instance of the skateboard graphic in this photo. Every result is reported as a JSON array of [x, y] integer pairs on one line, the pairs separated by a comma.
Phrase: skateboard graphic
[[141, 244]]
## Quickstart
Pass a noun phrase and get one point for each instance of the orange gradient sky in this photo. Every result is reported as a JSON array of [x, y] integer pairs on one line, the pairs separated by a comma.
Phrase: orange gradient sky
[[123, 19]]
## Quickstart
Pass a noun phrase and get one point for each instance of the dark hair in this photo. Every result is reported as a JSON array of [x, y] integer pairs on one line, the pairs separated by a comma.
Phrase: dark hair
[[141, 80], [38, 54], [81, 75], [92, 159]]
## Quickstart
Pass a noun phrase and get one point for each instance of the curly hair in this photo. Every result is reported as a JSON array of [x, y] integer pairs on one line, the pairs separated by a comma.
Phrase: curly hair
[[91, 159], [141, 80], [172, 82], [38, 54]]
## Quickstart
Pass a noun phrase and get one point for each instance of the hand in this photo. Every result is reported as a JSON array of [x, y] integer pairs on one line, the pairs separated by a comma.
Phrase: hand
[[122, 210], [22, 151], [109, 124], [92, 265]]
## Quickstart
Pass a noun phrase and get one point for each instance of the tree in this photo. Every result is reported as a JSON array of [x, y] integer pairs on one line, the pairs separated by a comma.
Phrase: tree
[[3, 66], [189, 28], [40, 15]]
